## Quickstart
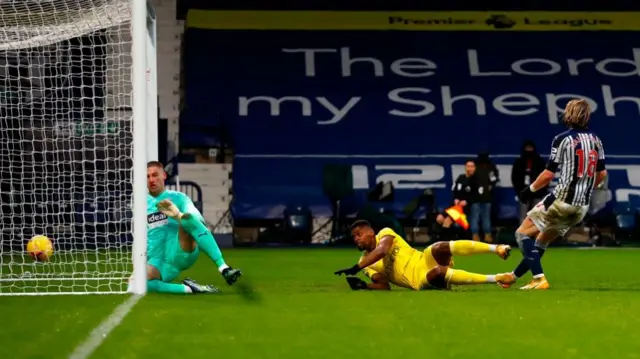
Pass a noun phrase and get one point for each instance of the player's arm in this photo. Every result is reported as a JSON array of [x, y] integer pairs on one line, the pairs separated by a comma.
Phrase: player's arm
[[185, 205], [384, 246], [557, 151], [182, 206], [378, 281], [601, 169]]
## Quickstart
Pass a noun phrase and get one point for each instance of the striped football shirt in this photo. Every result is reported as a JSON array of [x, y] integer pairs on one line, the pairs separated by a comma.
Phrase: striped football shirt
[[579, 155]]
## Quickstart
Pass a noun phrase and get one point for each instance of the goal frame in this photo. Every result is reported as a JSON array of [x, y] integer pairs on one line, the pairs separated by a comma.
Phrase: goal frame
[[144, 110], [145, 128]]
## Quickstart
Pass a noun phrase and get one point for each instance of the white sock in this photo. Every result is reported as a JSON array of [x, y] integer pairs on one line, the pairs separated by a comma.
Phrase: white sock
[[538, 276], [491, 279], [222, 268], [187, 289], [493, 247]]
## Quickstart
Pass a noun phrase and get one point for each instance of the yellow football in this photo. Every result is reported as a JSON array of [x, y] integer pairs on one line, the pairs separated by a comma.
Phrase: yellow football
[[40, 248]]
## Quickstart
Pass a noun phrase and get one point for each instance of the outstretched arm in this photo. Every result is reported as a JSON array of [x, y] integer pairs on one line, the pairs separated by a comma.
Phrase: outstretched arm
[[378, 253], [378, 281]]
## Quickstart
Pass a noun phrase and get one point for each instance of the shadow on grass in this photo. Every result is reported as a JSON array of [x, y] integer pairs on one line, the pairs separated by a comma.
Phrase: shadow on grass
[[246, 290]]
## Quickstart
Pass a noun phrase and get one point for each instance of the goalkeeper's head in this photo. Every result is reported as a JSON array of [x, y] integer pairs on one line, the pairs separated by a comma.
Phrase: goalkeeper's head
[[155, 177]]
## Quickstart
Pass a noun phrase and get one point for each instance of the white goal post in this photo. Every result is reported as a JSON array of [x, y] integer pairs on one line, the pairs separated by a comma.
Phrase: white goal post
[[78, 122]]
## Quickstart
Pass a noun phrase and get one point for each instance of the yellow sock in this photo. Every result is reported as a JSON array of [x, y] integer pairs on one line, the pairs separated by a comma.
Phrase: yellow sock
[[460, 277], [466, 247]]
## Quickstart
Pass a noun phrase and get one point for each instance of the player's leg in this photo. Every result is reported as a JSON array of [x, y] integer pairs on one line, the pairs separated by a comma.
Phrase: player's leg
[[159, 277], [530, 253], [186, 253], [194, 233], [155, 283], [442, 251], [182, 254], [154, 279], [523, 267], [543, 239], [550, 220], [442, 277]]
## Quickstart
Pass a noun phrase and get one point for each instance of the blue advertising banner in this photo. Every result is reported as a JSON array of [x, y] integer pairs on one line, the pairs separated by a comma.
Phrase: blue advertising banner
[[264, 185], [296, 100]]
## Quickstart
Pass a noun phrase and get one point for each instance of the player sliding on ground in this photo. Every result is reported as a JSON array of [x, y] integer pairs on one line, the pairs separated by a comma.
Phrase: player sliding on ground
[[580, 155], [388, 259], [176, 234]]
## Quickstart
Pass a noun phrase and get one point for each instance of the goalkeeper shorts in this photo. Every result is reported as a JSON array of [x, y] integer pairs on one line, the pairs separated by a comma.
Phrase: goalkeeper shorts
[[176, 260]]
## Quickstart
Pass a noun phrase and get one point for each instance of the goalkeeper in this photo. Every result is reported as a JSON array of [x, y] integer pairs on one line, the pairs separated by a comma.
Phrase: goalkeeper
[[176, 234]]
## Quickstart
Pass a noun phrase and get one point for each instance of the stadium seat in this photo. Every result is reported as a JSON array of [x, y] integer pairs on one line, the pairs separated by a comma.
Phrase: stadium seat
[[298, 224], [626, 223], [634, 203]]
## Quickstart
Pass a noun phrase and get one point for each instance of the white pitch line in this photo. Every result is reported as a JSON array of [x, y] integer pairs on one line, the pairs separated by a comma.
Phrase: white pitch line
[[99, 334]]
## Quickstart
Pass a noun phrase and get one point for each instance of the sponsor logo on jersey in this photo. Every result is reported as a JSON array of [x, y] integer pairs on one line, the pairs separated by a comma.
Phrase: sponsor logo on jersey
[[157, 219]]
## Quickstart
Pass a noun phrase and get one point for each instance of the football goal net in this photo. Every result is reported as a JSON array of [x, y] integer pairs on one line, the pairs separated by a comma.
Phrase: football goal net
[[68, 148]]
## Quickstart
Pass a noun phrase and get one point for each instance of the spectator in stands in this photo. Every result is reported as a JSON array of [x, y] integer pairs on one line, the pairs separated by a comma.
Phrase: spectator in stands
[[526, 169], [487, 176], [464, 194]]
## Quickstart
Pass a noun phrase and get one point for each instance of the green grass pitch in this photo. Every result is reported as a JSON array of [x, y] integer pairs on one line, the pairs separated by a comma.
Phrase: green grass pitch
[[304, 311]]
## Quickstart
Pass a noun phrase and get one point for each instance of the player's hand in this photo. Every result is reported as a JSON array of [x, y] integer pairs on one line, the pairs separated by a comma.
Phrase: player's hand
[[525, 195], [169, 209], [356, 283], [349, 271]]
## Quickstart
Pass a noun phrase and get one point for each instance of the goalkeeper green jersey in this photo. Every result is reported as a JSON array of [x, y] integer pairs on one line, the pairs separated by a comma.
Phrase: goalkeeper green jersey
[[160, 228]]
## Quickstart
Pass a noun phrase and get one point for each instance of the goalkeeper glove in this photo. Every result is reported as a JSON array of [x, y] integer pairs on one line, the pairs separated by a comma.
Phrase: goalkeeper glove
[[169, 209], [349, 271], [357, 283]]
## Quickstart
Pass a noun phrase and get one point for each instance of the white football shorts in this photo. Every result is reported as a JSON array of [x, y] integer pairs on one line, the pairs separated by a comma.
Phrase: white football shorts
[[551, 213]]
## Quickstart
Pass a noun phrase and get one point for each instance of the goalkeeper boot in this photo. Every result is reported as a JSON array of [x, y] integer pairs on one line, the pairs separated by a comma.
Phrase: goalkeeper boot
[[503, 251], [199, 288], [231, 275], [505, 280]]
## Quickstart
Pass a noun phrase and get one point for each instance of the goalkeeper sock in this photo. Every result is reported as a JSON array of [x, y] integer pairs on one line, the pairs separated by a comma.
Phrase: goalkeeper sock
[[158, 286], [201, 234], [466, 247], [460, 277]]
